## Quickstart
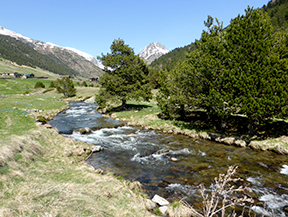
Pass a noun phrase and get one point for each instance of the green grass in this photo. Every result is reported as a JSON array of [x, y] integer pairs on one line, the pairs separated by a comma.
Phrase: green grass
[[143, 114], [14, 116], [19, 85], [4, 170], [8, 66], [36, 176]]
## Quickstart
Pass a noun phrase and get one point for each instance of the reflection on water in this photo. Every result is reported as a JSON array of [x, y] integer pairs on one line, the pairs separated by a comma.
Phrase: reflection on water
[[146, 156]]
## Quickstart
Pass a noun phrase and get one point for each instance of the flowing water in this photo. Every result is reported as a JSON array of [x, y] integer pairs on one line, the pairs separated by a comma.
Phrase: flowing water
[[145, 156]]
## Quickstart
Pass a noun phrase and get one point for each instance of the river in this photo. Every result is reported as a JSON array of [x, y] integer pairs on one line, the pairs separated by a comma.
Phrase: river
[[145, 156]]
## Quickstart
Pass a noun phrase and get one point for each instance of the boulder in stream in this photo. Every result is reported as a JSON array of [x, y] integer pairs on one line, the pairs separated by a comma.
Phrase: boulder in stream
[[160, 200], [97, 148], [85, 130], [174, 159]]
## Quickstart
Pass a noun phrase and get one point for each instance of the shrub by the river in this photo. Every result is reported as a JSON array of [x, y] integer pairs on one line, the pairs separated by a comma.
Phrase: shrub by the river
[[66, 86], [222, 196], [52, 85], [39, 85]]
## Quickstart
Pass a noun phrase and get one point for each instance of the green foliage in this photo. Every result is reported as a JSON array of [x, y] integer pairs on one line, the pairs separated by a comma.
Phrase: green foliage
[[84, 84], [176, 95], [157, 211], [239, 70], [52, 84], [278, 12], [42, 119], [66, 86], [258, 70], [18, 157], [125, 77], [156, 77], [169, 61], [4, 170], [39, 84]]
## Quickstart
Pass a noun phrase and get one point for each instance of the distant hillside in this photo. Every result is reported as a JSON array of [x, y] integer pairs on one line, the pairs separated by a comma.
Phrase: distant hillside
[[22, 54], [169, 60], [60, 60], [278, 11], [8, 66]]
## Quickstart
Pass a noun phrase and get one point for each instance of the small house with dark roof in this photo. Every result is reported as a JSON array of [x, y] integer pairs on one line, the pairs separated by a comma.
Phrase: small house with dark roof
[[28, 75]]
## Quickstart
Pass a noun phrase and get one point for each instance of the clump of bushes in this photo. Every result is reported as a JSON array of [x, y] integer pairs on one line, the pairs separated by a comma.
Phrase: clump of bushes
[[52, 85], [39, 85], [26, 92], [84, 84], [65, 86], [42, 119]]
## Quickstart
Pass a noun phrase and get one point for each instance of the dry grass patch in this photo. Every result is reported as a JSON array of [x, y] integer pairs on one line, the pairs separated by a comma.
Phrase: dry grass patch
[[45, 182], [279, 145]]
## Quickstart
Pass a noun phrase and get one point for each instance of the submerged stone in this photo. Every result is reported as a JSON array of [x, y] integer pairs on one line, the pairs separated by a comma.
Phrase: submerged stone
[[174, 159]]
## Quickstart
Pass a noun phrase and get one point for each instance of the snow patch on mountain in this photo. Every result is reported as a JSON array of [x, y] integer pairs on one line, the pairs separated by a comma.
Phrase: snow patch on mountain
[[50, 45], [13, 34], [83, 54], [152, 52]]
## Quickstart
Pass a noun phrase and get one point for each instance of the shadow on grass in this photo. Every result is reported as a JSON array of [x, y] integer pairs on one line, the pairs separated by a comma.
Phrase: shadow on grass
[[236, 126], [130, 107]]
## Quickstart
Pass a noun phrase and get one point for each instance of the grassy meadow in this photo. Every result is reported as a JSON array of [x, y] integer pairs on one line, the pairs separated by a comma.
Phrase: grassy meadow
[[43, 173]]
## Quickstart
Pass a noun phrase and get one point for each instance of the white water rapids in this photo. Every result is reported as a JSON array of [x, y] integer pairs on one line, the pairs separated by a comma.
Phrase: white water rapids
[[144, 155]]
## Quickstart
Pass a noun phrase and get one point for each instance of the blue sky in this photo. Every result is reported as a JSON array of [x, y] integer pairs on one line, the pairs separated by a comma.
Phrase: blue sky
[[92, 25]]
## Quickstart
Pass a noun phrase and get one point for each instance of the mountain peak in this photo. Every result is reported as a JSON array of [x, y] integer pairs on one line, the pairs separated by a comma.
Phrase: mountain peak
[[152, 52]]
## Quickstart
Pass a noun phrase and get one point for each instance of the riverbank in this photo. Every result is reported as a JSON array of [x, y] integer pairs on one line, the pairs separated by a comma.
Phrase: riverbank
[[43, 173], [146, 115]]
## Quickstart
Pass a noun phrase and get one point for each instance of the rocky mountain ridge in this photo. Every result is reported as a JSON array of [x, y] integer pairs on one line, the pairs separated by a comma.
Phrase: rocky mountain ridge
[[84, 64], [152, 52]]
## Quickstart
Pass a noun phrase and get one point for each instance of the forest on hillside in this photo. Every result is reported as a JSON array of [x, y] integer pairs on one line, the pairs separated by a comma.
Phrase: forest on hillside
[[277, 11], [23, 54]]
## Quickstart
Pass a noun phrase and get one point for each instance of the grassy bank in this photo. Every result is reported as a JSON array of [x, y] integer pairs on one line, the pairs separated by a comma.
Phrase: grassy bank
[[147, 115], [43, 173]]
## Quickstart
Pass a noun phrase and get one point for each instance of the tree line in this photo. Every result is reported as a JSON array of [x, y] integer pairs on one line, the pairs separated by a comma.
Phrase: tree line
[[23, 54], [240, 70], [277, 11]]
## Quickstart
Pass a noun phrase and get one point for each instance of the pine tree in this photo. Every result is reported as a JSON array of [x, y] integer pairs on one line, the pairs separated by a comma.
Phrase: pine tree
[[258, 70], [125, 77], [213, 70], [65, 86], [179, 92]]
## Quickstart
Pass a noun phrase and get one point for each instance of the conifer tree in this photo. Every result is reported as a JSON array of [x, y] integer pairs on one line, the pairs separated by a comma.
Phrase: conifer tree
[[125, 76], [213, 71], [66, 86], [258, 72], [179, 92]]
